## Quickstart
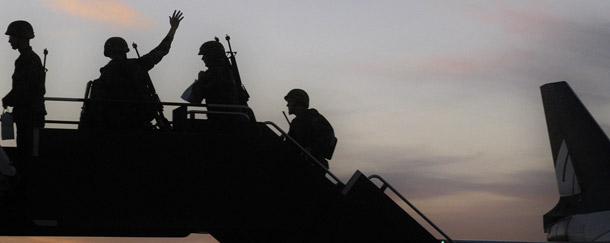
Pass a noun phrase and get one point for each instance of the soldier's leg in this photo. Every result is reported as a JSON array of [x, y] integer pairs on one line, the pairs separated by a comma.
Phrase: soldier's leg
[[25, 142], [25, 135]]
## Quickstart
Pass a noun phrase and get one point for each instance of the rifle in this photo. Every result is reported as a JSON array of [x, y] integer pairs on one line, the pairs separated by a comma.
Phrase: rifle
[[285, 116], [44, 63], [162, 122], [243, 96], [84, 112], [242, 93]]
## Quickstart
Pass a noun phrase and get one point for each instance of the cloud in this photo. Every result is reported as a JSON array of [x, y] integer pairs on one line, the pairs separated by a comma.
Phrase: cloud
[[521, 46], [541, 43], [201, 238], [519, 21], [426, 175], [109, 11]]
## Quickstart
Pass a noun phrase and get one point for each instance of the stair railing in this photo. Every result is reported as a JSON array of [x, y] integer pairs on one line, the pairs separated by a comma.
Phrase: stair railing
[[339, 182], [386, 185], [192, 112]]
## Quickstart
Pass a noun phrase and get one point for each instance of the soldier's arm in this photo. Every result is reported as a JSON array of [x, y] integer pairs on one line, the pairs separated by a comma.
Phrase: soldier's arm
[[153, 57], [324, 135], [30, 81], [8, 99], [199, 89]]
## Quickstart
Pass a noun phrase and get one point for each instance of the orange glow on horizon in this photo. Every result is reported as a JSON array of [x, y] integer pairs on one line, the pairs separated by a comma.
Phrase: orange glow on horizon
[[111, 11]]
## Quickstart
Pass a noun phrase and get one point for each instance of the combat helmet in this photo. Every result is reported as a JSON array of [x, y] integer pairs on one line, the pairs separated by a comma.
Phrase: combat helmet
[[115, 45], [299, 96], [212, 49], [20, 29]]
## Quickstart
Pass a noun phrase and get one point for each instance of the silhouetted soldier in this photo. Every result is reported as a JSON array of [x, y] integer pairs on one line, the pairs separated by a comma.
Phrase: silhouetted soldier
[[217, 84], [124, 79], [27, 95], [309, 128]]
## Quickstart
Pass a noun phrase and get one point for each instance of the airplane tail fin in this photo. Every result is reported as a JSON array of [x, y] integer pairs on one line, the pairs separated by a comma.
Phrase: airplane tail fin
[[581, 153]]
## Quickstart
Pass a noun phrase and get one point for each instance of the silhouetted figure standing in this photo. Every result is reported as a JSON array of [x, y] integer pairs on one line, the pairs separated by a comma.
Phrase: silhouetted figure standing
[[217, 84], [124, 79], [27, 95], [309, 128]]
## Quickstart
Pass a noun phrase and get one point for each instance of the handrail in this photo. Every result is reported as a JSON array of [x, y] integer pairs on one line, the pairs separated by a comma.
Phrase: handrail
[[236, 107], [220, 112], [148, 102], [387, 185], [339, 182], [62, 122]]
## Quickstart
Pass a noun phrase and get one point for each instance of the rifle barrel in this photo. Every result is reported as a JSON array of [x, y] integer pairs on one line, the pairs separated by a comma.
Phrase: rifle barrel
[[285, 116], [135, 47], [44, 63]]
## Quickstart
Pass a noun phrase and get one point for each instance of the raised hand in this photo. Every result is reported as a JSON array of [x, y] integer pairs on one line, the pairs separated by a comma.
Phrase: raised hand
[[174, 20]]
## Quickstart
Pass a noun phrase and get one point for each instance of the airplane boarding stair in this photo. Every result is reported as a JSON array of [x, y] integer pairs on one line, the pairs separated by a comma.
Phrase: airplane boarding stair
[[240, 183]]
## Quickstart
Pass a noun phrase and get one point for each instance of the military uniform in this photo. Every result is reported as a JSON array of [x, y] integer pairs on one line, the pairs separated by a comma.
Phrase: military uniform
[[217, 86], [124, 80], [27, 97], [314, 133]]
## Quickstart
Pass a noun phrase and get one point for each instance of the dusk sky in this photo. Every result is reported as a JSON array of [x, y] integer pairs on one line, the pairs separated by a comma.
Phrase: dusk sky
[[441, 98]]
